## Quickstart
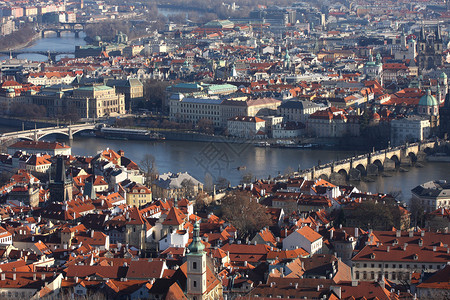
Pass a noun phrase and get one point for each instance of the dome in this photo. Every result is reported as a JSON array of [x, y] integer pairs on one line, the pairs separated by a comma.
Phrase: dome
[[443, 75], [97, 38], [428, 100], [196, 247]]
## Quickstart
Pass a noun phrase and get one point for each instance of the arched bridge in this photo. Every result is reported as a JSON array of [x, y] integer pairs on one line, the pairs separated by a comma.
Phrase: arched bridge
[[51, 54], [370, 163], [59, 30], [37, 134]]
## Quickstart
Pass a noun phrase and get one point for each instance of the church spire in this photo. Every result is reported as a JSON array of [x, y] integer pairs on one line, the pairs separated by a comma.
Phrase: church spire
[[422, 33], [438, 33], [196, 247]]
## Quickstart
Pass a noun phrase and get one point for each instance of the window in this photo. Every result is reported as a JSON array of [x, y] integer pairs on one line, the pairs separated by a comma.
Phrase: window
[[194, 265], [194, 283]]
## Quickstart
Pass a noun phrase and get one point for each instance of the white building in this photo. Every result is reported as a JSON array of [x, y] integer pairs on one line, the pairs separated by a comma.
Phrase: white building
[[298, 110], [288, 130], [32, 147], [433, 194], [246, 127], [177, 238], [305, 238], [412, 128]]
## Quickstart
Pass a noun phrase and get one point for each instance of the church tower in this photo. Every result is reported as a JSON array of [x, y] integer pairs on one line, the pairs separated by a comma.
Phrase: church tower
[[61, 186], [196, 267], [430, 49]]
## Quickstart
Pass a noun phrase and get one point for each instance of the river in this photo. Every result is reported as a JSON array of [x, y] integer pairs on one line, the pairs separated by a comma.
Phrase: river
[[51, 42], [222, 160]]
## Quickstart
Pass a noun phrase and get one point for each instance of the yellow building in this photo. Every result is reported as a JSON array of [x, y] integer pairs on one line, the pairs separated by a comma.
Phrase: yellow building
[[138, 194]]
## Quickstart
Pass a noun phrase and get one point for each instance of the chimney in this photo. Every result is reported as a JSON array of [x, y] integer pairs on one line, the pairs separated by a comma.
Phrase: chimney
[[411, 233], [34, 276], [272, 284], [388, 248], [434, 248], [331, 234], [356, 232], [354, 282], [92, 233], [42, 276], [398, 233], [404, 246], [3, 276], [422, 233], [14, 277]]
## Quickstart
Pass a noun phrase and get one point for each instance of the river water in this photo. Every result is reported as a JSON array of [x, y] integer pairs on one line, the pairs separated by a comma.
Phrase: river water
[[223, 160], [51, 42]]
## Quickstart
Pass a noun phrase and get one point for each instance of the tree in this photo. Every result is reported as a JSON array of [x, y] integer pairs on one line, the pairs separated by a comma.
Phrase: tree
[[148, 166], [418, 215], [154, 93], [188, 187], [244, 212], [222, 183], [208, 185], [28, 111], [289, 171], [205, 126], [247, 178], [202, 200]]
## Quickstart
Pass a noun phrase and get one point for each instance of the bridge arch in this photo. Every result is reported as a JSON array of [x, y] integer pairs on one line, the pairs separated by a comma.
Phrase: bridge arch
[[55, 133], [395, 159], [343, 173], [412, 156], [379, 164], [361, 168], [324, 177]]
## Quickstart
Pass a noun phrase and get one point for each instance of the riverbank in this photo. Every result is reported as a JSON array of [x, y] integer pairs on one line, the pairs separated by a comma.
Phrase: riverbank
[[18, 40]]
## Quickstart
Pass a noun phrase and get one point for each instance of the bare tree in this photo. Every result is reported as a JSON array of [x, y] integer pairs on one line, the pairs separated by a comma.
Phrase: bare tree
[[244, 212], [247, 178], [148, 167], [208, 185], [222, 183], [188, 187]]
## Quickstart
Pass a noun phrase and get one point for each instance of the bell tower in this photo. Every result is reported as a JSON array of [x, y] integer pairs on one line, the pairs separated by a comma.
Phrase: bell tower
[[196, 267]]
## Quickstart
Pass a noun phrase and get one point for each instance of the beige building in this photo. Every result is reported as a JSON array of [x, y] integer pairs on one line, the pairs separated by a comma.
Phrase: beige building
[[246, 127], [97, 101], [138, 194], [191, 110]]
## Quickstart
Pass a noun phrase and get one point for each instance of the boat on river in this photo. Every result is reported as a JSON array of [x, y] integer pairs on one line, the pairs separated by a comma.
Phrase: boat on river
[[128, 134]]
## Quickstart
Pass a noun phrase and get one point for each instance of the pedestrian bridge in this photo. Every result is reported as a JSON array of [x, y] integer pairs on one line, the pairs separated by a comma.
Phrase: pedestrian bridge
[[37, 134], [370, 163]]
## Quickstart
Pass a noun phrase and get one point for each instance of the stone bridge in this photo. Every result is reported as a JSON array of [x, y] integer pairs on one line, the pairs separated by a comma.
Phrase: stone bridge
[[60, 30], [370, 163], [75, 27], [37, 134]]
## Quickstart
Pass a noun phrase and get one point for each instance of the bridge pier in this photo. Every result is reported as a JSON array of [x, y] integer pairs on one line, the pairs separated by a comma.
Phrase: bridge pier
[[70, 133], [77, 34], [354, 175], [372, 170], [58, 33]]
